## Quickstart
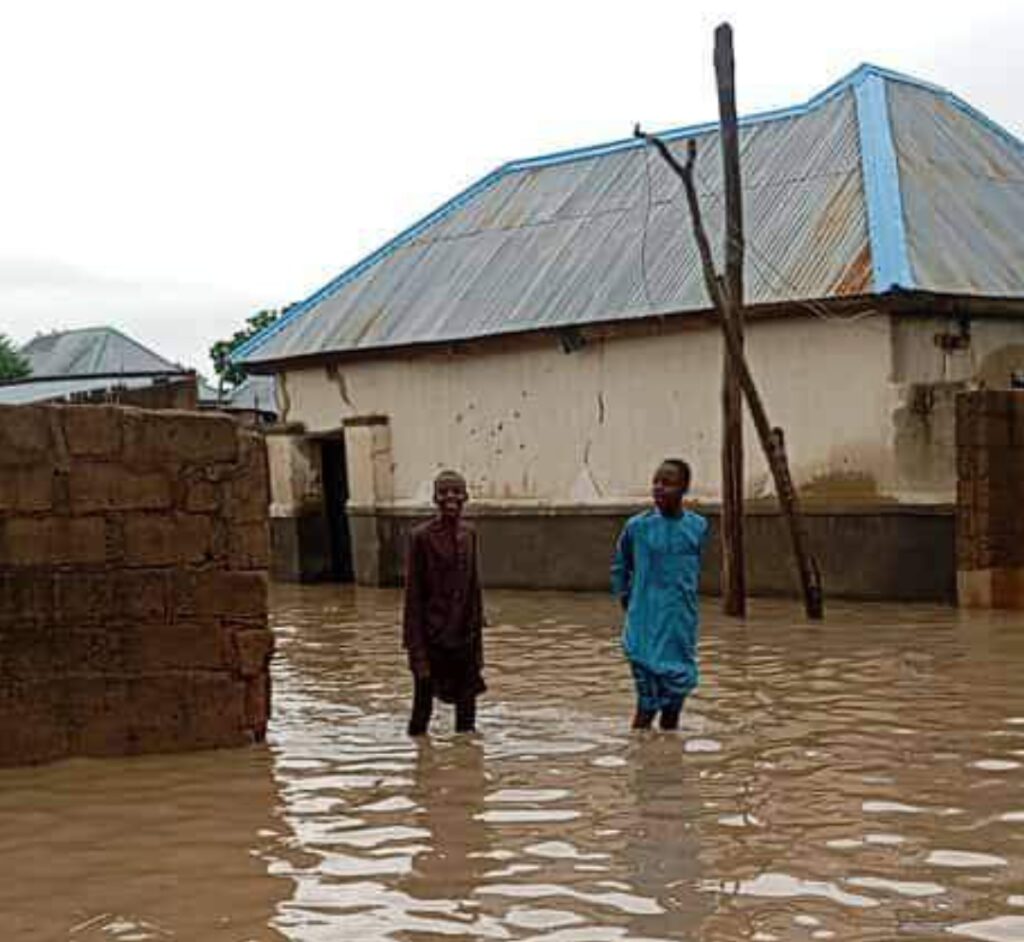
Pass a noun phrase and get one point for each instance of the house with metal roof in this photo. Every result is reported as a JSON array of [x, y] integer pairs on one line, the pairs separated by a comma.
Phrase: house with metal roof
[[100, 364], [547, 331]]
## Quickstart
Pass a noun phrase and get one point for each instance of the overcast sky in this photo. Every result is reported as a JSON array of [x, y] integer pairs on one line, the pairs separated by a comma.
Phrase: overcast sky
[[170, 167]]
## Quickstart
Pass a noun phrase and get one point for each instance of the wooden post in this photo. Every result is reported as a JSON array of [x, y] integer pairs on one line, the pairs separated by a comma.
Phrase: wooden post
[[772, 441], [734, 576]]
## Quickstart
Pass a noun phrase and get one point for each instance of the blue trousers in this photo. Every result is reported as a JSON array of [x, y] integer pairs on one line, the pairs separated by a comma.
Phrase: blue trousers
[[656, 692]]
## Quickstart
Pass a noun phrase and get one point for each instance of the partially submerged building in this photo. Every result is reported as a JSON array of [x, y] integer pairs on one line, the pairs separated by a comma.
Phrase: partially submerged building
[[548, 332]]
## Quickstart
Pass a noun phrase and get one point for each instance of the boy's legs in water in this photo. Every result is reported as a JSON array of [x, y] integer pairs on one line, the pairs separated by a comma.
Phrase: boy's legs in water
[[422, 706], [646, 697], [643, 719], [465, 715], [670, 715], [653, 699]]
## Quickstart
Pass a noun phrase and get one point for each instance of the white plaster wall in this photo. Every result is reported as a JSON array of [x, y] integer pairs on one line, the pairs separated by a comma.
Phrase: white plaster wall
[[295, 479], [530, 423], [996, 347]]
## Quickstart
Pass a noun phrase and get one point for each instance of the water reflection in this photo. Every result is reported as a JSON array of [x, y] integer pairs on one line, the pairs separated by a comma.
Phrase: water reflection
[[448, 793], [149, 848], [858, 780]]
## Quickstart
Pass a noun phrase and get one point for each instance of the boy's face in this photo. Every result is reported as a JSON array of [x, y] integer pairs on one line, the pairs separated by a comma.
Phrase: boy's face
[[450, 497], [668, 488]]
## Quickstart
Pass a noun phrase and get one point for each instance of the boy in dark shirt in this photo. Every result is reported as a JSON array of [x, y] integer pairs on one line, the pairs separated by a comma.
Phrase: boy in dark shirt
[[443, 621]]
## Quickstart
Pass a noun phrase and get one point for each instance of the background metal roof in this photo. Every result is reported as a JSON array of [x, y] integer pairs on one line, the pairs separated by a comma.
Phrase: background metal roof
[[50, 390], [256, 393], [840, 198], [75, 362], [93, 350]]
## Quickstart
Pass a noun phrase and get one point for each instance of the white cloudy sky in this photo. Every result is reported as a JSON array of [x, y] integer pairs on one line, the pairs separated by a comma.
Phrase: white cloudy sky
[[169, 167]]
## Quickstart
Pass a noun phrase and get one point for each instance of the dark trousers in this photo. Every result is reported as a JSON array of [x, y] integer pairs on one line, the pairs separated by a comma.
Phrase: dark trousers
[[644, 719], [423, 708]]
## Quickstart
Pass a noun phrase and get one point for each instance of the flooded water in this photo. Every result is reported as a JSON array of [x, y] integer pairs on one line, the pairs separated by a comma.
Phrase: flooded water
[[859, 780]]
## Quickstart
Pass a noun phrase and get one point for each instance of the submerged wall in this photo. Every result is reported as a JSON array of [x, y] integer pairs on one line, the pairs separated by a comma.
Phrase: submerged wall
[[990, 502], [892, 552], [133, 556]]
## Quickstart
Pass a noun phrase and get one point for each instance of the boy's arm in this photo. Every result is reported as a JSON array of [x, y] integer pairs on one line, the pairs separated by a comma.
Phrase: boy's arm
[[476, 601], [415, 603], [622, 566]]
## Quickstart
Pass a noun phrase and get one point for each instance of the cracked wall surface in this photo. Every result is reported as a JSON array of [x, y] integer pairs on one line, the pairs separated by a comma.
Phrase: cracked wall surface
[[528, 422]]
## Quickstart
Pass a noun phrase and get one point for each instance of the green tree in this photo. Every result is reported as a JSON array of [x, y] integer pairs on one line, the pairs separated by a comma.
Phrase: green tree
[[12, 364], [231, 374]]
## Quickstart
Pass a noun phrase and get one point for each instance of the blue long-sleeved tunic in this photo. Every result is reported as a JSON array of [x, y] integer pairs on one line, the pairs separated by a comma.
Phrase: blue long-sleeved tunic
[[657, 568]]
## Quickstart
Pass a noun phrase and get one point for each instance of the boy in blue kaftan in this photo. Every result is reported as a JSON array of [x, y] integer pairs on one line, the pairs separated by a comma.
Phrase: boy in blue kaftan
[[655, 576]]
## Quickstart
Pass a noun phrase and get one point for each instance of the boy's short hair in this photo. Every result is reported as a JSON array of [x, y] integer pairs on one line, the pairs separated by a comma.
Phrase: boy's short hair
[[683, 467], [449, 477]]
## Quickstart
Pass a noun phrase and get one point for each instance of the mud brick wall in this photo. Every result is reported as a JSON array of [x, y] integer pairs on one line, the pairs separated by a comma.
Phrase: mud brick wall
[[133, 589], [990, 498]]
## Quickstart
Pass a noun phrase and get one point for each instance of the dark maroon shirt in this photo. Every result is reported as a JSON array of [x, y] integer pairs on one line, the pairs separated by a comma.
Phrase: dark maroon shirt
[[443, 598]]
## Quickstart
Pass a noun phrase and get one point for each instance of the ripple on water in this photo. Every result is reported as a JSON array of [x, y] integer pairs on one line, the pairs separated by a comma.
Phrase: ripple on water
[[900, 887], [627, 903], [541, 918], [785, 886], [562, 850], [964, 859], [702, 745], [528, 815], [891, 807], [739, 821], [609, 762], [996, 765], [999, 929], [526, 795]]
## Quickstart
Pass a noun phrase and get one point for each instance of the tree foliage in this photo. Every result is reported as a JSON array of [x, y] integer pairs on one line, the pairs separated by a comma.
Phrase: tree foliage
[[12, 364], [231, 374]]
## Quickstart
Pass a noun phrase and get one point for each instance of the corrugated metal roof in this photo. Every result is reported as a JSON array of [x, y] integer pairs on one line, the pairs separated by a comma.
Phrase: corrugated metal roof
[[257, 393], [92, 350], [602, 233], [49, 390], [963, 195]]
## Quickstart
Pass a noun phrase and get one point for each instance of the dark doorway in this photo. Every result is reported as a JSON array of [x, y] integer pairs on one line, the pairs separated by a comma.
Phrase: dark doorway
[[335, 481]]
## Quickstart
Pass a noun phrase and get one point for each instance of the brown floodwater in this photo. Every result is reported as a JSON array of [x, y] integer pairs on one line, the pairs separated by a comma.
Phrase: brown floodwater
[[862, 779]]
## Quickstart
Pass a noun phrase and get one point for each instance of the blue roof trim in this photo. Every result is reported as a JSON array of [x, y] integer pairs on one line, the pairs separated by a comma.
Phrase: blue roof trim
[[889, 258], [876, 111]]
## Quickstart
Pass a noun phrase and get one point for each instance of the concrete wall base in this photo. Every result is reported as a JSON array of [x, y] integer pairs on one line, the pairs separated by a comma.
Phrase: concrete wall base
[[300, 548], [883, 552]]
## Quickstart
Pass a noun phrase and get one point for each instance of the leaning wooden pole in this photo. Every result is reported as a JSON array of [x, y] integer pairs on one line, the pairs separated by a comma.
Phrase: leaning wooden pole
[[734, 570], [772, 441]]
